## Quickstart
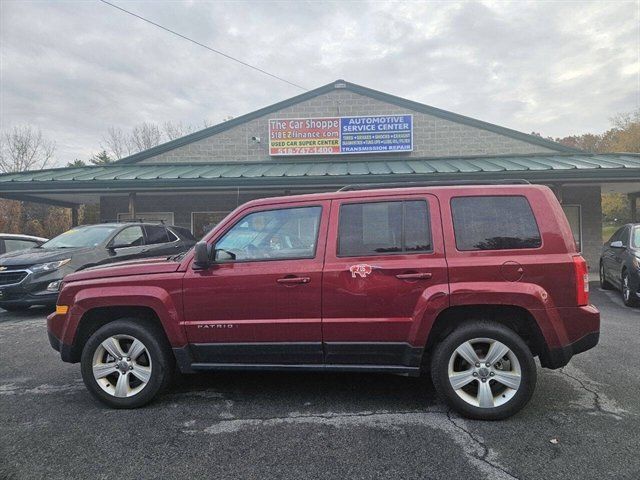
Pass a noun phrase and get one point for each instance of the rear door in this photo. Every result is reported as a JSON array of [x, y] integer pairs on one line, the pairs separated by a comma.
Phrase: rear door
[[385, 270]]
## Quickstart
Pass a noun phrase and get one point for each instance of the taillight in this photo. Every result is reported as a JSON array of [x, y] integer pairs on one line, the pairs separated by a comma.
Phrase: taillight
[[582, 280]]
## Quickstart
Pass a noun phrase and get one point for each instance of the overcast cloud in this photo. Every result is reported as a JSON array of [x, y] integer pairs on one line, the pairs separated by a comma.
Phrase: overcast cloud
[[75, 68]]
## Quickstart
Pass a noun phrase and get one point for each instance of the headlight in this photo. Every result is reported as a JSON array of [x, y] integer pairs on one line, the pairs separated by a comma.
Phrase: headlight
[[49, 267]]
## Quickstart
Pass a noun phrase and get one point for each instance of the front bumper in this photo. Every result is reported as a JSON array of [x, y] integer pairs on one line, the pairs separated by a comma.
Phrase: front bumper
[[30, 291], [66, 351], [25, 299]]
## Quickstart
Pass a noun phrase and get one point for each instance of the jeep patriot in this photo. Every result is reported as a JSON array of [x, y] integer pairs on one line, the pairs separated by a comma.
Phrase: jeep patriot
[[467, 283]]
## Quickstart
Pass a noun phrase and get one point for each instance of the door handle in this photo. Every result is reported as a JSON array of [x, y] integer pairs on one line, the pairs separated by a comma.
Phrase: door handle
[[293, 280], [413, 276]]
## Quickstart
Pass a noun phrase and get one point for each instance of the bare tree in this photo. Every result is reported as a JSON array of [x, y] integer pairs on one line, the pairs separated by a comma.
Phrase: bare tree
[[117, 142], [24, 148], [145, 136], [176, 130]]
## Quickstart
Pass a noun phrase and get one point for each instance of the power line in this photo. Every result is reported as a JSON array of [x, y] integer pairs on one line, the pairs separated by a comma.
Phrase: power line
[[204, 46]]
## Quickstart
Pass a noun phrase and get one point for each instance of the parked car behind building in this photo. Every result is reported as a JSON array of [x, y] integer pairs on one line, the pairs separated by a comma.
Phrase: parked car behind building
[[32, 277], [11, 242]]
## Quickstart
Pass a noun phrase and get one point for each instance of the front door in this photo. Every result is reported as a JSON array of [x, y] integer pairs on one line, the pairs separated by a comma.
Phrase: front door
[[385, 270], [260, 302]]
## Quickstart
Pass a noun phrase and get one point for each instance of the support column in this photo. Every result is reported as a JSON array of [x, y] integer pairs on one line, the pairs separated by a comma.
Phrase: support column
[[74, 216], [633, 206], [132, 206]]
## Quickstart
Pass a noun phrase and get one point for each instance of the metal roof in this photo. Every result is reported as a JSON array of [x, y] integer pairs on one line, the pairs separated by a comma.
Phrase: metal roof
[[541, 168], [359, 89]]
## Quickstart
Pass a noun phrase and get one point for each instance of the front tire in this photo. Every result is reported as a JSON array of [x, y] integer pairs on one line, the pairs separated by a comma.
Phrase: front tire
[[484, 371], [126, 363]]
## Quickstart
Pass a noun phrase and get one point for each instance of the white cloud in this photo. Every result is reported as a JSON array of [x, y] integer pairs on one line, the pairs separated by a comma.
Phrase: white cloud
[[76, 68]]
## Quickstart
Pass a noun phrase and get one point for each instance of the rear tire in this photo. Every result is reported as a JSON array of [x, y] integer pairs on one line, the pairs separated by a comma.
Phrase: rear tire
[[629, 296], [477, 358], [127, 363], [604, 284]]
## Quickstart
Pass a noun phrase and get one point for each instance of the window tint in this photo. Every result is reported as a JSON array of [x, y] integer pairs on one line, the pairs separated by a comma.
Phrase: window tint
[[129, 237], [383, 227], [272, 234], [494, 223], [13, 245], [156, 234]]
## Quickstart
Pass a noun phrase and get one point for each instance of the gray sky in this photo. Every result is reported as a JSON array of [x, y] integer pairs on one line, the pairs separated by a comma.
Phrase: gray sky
[[75, 68]]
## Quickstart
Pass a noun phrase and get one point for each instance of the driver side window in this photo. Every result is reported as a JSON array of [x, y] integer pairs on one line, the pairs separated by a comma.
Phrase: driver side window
[[129, 237], [288, 233]]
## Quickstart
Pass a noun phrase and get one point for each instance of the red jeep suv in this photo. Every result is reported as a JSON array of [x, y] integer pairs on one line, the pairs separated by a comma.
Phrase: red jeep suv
[[469, 283]]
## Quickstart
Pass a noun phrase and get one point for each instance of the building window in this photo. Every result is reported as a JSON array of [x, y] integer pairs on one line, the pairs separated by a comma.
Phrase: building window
[[149, 217], [203, 222], [574, 215], [494, 223]]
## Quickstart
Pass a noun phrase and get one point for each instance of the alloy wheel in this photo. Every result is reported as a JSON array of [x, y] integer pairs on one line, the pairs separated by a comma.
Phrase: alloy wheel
[[484, 372], [122, 366]]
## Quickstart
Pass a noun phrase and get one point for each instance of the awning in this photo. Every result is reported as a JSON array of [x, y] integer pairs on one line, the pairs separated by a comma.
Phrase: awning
[[551, 168]]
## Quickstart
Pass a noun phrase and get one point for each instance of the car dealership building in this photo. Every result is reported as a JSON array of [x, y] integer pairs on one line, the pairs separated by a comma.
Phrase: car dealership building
[[322, 140]]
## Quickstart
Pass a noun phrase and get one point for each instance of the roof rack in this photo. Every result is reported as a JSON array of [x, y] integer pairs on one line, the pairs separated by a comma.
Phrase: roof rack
[[432, 183]]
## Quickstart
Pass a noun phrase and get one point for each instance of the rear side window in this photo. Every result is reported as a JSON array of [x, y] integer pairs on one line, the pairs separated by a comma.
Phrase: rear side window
[[156, 234], [494, 223], [380, 228]]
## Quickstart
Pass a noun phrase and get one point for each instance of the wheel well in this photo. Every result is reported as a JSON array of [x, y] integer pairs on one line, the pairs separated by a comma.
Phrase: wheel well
[[517, 319], [96, 318]]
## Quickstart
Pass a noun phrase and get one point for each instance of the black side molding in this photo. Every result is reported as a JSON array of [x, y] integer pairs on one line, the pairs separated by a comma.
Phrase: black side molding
[[559, 357]]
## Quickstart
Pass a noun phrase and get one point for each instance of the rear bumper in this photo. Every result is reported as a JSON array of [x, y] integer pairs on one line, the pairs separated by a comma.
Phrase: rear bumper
[[559, 357]]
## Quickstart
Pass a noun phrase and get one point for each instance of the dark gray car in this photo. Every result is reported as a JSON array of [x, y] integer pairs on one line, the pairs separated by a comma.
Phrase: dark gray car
[[33, 276], [620, 263]]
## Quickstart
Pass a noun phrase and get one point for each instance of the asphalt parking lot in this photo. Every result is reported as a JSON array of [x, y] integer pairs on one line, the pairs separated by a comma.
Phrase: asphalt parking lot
[[583, 422]]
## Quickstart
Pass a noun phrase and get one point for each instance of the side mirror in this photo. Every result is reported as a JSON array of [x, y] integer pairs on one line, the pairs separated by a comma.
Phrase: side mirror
[[617, 244], [113, 246], [201, 257]]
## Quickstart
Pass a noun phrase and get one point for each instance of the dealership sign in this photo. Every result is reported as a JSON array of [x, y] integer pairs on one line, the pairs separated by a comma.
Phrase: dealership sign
[[336, 135]]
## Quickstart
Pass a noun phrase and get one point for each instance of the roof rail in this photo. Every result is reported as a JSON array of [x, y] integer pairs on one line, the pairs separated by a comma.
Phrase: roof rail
[[432, 183], [138, 220]]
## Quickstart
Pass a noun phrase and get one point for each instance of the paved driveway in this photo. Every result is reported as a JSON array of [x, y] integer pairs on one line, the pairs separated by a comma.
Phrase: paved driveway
[[583, 421]]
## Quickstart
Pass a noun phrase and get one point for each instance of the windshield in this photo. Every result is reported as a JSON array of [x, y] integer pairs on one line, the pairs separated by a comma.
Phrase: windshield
[[81, 237], [635, 237]]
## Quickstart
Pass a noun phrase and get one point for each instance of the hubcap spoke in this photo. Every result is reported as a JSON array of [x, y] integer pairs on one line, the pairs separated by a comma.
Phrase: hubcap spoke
[[122, 387], [101, 370], [136, 349], [142, 373], [496, 352], [485, 395], [112, 346], [460, 379], [467, 352], [508, 379]]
